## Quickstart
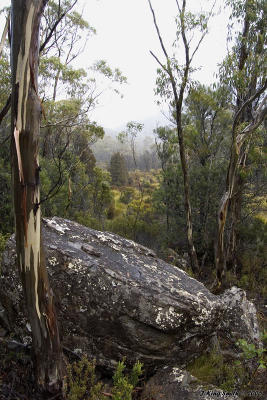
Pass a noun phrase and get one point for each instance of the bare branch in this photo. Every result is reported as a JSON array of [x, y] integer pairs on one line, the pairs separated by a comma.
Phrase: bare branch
[[197, 46], [178, 5], [158, 32], [162, 66], [204, 33]]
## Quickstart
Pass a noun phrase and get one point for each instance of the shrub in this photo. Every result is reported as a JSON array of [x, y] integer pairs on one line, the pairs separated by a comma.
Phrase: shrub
[[127, 195], [124, 384], [232, 374], [82, 383], [3, 239]]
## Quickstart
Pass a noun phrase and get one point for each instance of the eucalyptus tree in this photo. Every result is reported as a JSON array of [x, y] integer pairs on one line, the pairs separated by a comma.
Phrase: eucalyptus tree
[[64, 34], [167, 151], [244, 71], [69, 93], [118, 170], [25, 127], [130, 134], [206, 125], [173, 82]]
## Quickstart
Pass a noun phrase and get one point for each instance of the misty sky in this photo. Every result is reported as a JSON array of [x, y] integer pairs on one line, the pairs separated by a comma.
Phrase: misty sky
[[125, 34]]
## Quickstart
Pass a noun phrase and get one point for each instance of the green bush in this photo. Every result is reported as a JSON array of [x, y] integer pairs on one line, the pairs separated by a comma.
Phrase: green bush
[[211, 369], [127, 195], [232, 374], [3, 239], [257, 354], [82, 383], [123, 385]]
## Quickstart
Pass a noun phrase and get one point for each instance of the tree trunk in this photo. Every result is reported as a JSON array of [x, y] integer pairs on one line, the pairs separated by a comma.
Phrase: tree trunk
[[178, 103], [26, 114], [180, 133], [223, 211], [4, 34], [235, 207], [187, 203]]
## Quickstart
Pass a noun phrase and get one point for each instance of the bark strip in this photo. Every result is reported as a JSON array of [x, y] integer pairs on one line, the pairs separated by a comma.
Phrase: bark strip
[[26, 115]]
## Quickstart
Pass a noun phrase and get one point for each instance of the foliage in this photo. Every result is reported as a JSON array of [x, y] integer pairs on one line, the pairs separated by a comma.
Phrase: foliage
[[250, 351], [85, 193], [82, 382], [206, 133], [129, 136], [211, 369], [245, 65], [4, 79], [6, 207], [253, 256], [231, 374], [145, 152], [118, 170], [127, 195], [123, 385], [3, 240]]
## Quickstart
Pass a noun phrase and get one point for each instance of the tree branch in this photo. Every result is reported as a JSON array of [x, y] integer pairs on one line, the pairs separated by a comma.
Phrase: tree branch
[[178, 5], [184, 36], [158, 32], [4, 111], [204, 33], [48, 37], [162, 66], [249, 101], [260, 116]]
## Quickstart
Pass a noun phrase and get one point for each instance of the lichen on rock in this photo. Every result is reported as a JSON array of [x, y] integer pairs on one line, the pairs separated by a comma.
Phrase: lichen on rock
[[116, 299]]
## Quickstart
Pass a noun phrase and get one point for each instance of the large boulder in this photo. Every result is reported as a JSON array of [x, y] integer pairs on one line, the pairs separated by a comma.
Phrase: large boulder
[[116, 299]]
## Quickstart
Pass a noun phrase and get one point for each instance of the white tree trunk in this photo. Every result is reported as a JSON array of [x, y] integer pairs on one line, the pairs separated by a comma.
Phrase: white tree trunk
[[26, 114]]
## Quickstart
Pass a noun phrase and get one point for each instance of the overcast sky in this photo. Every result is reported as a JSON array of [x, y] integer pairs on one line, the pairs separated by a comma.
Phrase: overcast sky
[[125, 34]]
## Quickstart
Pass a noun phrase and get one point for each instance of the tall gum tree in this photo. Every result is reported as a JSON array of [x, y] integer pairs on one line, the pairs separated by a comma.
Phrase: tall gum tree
[[175, 79], [244, 72], [25, 123]]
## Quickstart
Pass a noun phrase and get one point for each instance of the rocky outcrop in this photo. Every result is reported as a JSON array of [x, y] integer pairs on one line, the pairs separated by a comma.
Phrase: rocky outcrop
[[172, 383], [116, 299], [239, 317]]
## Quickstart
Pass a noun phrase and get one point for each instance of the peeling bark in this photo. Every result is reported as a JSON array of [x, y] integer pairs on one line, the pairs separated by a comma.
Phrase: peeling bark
[[26, 115]]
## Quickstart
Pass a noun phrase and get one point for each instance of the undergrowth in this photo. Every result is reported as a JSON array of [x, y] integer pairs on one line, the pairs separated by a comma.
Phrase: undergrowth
[[82, 382], [242, 374]]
